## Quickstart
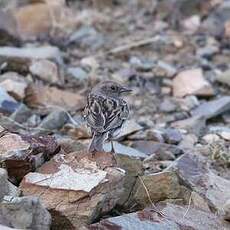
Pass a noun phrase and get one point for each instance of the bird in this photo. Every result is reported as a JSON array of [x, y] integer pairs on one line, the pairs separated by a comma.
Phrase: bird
[[105, 113]]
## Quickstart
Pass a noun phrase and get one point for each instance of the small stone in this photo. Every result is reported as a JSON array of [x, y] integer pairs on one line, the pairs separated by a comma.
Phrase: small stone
[[192, 23], [207, 51], [188, 103], [15, 88], [188, 141], [4, 188], [168, 105], [78, 73], [45, 70], [224, 78], [172, 136], [91, 62], [225, 135], [210, 138], [191, 82]]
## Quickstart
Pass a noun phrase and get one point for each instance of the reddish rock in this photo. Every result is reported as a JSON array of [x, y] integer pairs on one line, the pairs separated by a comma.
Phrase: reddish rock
[[76, 188]]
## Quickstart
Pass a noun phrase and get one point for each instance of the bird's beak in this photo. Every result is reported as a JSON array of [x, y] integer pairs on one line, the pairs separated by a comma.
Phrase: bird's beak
[[125, 90]]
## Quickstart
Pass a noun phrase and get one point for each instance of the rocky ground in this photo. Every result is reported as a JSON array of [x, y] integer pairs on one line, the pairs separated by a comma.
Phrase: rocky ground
[[171, 169]]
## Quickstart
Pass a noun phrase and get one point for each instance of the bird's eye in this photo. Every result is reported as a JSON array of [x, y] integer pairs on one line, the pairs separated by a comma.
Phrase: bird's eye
[[113, 87]]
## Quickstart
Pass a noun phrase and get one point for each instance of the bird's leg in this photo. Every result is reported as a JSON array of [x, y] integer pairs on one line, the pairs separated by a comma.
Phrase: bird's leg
[[112, 150]]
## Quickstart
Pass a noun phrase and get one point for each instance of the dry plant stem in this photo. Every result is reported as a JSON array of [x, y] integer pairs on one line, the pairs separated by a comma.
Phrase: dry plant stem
[[189, 205], [133, 45], [150, 200]]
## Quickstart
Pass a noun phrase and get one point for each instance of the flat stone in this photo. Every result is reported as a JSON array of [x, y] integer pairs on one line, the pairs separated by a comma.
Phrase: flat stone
[[191, 82], [43, 52], [52, 97], [80, 190], [175, 220], [172, 136], [213, 108], [194, 173], [24, 213], [78, 73]]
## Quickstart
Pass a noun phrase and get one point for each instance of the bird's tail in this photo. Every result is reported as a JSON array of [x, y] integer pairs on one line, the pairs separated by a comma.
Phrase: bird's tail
[[96, 144]]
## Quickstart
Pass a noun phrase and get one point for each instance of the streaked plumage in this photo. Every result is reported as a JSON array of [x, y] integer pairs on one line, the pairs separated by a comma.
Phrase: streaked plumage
[[105, 112]]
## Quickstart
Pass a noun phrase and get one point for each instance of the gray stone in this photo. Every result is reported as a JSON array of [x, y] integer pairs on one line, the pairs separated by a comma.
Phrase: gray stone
[[195, 174], [4, 188], [172, 136], [78, 73], [213, 108], [168, 105], [176, 218], [25, 213]]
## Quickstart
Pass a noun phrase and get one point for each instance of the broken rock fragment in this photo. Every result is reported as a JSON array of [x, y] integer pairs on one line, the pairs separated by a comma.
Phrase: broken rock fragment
[[76, 188]]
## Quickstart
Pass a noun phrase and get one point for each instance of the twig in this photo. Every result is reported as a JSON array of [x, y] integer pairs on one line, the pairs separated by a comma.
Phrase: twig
[[133, 45], [150, 200], [189, 204]]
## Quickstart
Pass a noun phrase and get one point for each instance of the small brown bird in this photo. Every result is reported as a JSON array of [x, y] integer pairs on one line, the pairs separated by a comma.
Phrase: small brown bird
[[105, 112]]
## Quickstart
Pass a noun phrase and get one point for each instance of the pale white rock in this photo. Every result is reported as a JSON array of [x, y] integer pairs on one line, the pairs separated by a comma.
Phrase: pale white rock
[[225, 135], [68, 178], [15, 88], [192, 23], [210, 138], [45, 70], [191, 82]]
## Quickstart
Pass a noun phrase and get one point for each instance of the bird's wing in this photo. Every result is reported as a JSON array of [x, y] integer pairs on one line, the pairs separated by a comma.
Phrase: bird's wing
[[93, 113], [117, 111], [103, 114]]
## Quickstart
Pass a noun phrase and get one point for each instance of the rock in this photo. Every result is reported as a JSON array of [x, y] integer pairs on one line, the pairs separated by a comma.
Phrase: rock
[[52, 97], [4, 188], [81, 188], [225, 135], [157, 149], [227, 29], [148, 135], [69, 145], [194, 125], [191, 82], [129, 127], [7, 228], [22, 114], [188, 141], [192, 24], [7, 103], [207, 51], [168, 106], [172, 136], [141, 64], [160, 186], [175, 220], [54, 121], [45, 70], [24, 213], [210, 138], [224, 78], [124, 150], [226, 209], [193, 171], [44, 52], [78, 73], [14, 88], [87, 36], [213, 108], [188, 103], [133, 167], [23, 153]]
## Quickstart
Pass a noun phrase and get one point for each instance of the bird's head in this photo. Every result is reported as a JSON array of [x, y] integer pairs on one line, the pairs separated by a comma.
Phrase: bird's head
[[111, 89]]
